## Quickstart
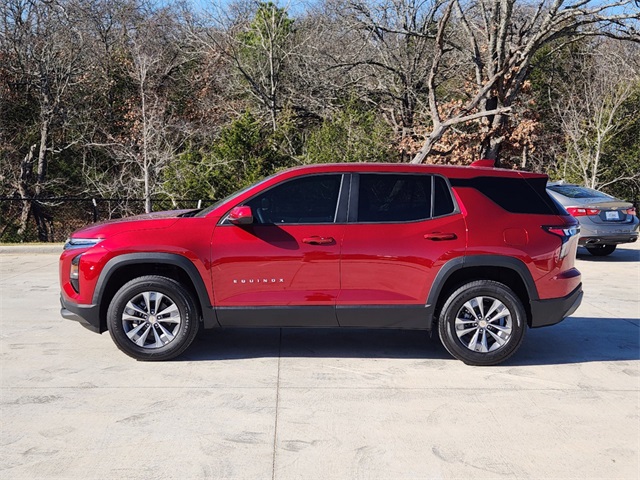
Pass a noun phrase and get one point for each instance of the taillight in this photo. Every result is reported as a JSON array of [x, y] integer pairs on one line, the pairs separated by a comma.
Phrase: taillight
[[581, 212], [631, 211], [565, 233]]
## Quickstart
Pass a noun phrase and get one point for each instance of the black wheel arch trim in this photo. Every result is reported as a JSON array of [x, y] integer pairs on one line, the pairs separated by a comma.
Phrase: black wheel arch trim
[[208, 313], [460, 263]]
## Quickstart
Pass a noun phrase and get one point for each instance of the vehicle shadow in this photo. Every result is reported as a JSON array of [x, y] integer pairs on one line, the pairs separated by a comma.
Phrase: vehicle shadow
[[576, 340], [239, 343], [620, 255], [581, 340]]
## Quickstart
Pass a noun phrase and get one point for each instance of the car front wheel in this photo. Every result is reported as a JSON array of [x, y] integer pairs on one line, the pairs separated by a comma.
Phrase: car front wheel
[[152, 318], [482, 323]]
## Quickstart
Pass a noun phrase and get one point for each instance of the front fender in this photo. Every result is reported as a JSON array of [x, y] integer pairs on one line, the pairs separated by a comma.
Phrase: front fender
[[172, 259]]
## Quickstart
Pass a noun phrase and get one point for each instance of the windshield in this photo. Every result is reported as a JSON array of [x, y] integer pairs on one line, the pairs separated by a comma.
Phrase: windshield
[[575, 191], [211, 208]]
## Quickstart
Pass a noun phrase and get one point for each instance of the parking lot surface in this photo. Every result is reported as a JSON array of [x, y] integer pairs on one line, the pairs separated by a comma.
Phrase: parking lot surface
[[319, 404]]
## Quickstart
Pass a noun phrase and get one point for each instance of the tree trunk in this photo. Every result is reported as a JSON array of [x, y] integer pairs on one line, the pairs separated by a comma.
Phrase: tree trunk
[[147, 188], [42, 156], [145, 147], [24, 217], [26, 168], [273, 80], [436, 134], [30, 204], [494, 137], [43, 220], [490, 147]]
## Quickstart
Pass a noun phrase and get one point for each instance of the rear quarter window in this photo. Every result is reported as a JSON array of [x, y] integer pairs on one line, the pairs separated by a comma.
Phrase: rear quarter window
[[515, 195]]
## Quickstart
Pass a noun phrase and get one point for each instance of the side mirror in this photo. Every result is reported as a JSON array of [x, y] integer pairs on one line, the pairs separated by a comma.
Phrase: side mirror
[[241, 215]]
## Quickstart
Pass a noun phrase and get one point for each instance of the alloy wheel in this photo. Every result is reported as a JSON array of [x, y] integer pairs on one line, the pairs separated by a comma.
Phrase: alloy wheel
[[483, 324], [151, 320]]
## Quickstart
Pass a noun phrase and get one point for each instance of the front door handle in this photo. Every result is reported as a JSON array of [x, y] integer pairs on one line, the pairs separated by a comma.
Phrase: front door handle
[[438, 237], [316, 240]]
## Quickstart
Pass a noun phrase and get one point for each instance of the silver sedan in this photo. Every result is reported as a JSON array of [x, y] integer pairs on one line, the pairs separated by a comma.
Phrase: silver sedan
[[605, 221]]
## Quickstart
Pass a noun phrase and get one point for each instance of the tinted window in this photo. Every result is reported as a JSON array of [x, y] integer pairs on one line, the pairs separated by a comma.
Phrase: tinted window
[[304, 200], [211, 208], [574, 191], [515, 195], [394, 198], [442, 201]]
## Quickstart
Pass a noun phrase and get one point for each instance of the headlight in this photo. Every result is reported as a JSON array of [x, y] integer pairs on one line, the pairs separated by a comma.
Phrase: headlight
[[81, 242]]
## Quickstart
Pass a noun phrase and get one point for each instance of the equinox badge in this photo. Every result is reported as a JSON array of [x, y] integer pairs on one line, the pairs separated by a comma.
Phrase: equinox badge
[[258, 280]]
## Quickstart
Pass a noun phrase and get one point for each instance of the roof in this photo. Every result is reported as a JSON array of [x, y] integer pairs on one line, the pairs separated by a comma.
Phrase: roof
[[454, 171]]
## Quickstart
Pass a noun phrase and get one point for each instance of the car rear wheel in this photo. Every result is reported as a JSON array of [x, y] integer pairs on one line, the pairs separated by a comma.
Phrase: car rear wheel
[[152, 318], [601, 250], [482, 323]]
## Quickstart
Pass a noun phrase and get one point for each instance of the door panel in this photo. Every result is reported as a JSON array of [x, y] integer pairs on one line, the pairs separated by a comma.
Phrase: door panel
[[287, 259], [393, 250], [271, 265], [391, 264]]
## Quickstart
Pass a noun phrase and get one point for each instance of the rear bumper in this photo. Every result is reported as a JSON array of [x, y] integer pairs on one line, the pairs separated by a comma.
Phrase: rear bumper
[[608, 239], [87, 315], [554, 310]]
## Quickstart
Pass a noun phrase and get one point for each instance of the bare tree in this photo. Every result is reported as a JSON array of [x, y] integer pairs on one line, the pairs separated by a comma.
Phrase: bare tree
[[459, 114], [387, 48], [258, 39], [153, 61], [43, 51], [500, 39], [590, 109]]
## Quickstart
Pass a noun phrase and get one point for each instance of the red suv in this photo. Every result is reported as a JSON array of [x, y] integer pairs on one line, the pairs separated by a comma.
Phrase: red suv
[[476, 253]]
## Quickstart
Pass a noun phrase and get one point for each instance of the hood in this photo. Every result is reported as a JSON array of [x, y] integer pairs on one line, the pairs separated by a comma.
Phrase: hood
[[146, 221]]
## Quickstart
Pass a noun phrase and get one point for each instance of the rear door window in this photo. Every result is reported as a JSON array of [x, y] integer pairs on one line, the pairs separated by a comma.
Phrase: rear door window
[[395, 198]]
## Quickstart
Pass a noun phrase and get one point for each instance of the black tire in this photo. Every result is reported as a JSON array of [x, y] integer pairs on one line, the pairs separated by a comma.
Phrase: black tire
[[137, 331], [469, 313], [601, 250]]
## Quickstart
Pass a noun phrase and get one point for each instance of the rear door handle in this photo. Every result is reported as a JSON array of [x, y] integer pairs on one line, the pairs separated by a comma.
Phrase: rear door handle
[[438, 237], [316, 240]]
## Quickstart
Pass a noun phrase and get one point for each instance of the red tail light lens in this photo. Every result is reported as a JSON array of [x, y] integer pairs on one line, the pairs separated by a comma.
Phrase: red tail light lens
[[565, 233], [581, 212], [631, 211]]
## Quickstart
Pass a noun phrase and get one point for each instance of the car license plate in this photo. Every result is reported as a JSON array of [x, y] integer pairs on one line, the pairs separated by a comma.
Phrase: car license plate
[[612, 215]]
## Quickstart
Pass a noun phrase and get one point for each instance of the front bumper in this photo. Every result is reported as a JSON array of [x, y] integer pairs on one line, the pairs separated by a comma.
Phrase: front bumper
[[87, 315], [554, 310]]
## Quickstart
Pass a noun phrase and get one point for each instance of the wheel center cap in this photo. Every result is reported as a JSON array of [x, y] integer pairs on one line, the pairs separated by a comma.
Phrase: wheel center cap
[[152, 319], [483, 323]]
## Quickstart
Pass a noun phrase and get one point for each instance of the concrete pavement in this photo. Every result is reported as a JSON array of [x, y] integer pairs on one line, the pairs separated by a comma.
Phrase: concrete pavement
[[319, 404]]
